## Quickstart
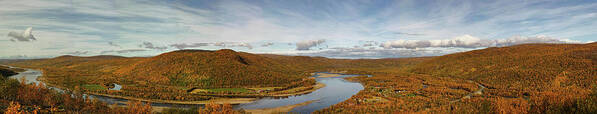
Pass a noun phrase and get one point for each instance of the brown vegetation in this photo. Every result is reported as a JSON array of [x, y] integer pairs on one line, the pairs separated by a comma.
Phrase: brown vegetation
[[531, 78]]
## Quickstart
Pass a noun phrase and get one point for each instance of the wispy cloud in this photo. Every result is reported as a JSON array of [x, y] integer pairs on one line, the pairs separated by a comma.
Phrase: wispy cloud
[[355, 53], [77, 53], [267, 44], [114, 44], [123, 51], [185, 45], [150, 45]]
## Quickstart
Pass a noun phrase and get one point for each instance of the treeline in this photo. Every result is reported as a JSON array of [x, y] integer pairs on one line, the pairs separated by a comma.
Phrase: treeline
[[6, 71], [210, 108], [530, 67], [21, 98]]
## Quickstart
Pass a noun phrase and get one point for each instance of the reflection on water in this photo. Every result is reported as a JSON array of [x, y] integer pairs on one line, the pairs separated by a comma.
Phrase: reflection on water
[[336, 90], [30, 76], [116, 87]]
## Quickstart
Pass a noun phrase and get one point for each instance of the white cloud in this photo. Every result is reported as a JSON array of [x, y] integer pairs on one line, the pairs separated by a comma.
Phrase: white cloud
[[307, 44], [24, 36], [515, 40], [267, 44], [233, 44]]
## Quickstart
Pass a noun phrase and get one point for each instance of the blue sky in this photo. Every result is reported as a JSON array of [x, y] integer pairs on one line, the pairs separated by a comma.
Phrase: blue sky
[[330, 28]]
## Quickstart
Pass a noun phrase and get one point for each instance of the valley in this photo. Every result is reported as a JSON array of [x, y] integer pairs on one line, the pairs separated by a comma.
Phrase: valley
[[523, 79]]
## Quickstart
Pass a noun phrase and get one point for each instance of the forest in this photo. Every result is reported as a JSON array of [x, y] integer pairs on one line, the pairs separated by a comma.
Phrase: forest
[[528, 78]]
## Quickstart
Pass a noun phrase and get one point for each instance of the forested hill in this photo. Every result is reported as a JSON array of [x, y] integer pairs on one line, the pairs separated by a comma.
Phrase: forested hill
[[222, 68], [6, 72], [521, 68]]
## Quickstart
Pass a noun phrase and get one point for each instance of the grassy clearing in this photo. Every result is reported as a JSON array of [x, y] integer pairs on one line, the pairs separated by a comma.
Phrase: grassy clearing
[[228, 90], [265, 88], [217, 90], [94, 87]]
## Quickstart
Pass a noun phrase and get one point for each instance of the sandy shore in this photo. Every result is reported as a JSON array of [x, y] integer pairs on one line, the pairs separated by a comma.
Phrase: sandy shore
[[216, 100], [282, 109], [315, 87], [327, 75]]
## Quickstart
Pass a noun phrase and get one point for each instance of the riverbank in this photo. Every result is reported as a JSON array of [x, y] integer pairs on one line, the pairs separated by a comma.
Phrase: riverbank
[[315, 87], [216, 100], [327, 75], [290, 94], [282, 109]]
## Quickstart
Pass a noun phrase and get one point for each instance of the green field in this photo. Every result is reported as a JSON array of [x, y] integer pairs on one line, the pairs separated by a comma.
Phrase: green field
[[94, 87], [228, 90]]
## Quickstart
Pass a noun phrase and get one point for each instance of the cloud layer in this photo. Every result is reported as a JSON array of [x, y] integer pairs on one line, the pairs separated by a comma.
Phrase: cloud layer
[[468, 41], [355, 53], [123, 51], [67, 25]]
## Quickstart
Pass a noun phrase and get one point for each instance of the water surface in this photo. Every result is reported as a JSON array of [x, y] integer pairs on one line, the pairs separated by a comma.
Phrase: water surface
[[336, 90]]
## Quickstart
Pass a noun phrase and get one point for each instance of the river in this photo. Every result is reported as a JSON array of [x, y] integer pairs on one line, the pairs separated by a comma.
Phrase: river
[[336, 90]]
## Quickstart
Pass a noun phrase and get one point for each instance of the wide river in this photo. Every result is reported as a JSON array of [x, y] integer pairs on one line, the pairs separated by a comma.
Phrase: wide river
[[336, 90]]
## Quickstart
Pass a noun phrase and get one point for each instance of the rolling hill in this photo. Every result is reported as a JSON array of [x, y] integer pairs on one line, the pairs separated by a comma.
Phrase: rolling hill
[[528, 67], [222, 68], [528, 78]]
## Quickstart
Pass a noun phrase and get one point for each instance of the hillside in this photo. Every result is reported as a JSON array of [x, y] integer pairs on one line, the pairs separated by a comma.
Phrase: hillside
[[529, 67], [222, 68], [529, 78], [6, 71]]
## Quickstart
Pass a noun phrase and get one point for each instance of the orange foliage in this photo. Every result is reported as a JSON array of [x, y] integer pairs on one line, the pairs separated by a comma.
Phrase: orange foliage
[[133, 107]]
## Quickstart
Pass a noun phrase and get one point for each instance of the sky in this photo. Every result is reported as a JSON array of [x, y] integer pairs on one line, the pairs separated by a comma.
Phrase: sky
[[328, 28]]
